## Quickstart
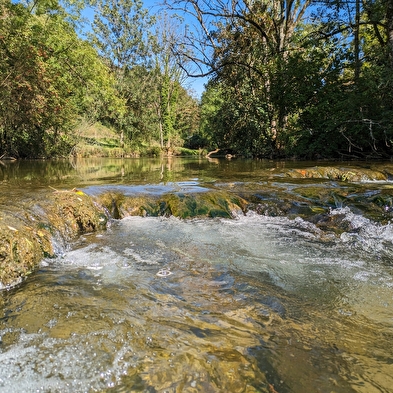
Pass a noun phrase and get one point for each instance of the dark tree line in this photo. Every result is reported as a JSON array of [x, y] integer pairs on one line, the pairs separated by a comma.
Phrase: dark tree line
[[294, 78]]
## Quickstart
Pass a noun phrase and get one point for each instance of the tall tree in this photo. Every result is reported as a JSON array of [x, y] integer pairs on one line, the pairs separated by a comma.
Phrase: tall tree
[[149, 79], [121, 35], [360, 115], [251, 39], [170, 78], [121, 32], [48, 76]]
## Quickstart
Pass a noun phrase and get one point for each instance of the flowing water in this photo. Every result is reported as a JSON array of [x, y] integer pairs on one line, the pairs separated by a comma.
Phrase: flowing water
[[158, 304]]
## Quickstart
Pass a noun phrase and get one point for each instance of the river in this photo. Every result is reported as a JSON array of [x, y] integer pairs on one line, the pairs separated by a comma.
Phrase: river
[[258, 303]]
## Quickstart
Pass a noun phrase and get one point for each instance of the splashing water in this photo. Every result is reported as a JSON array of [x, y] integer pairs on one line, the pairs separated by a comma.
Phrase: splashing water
[[256, 304]]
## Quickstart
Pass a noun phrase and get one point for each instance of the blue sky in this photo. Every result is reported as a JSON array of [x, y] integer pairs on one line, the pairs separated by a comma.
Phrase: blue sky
[[196, 84]]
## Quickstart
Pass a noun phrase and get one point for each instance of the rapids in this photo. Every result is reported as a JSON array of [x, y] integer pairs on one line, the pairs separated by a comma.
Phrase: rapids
[[294, 296], [254, 304]]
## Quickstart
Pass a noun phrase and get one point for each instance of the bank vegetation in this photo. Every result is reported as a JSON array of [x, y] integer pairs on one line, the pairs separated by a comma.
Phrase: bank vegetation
[[304, 79]]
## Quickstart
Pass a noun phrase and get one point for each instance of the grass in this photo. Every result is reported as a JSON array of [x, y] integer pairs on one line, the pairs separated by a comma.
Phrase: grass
[[97, 140]]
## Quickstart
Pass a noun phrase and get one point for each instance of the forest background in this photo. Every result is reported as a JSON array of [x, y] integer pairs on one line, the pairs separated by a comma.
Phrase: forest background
[[297, 78]]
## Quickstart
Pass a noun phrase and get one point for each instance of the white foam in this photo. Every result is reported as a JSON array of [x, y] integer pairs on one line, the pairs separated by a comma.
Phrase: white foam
[[125, 274]]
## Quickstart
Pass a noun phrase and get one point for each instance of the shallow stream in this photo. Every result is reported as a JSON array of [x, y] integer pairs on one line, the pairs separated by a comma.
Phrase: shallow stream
[[257, 303]]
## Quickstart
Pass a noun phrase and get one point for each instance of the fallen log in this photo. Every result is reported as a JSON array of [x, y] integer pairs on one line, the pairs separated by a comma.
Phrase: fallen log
[[6, 158], [212, 152]]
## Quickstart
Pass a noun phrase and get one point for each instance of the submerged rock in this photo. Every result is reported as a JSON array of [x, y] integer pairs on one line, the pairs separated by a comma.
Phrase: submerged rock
[[350, 174]]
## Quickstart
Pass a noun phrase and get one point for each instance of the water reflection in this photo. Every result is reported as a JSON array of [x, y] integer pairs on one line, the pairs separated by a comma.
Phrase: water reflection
[[142, 170]]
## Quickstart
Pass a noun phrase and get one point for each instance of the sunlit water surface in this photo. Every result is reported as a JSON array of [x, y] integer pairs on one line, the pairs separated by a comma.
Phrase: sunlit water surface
[[254, 304]]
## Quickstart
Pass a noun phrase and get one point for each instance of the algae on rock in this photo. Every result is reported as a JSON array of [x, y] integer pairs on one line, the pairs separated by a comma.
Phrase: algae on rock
[[74, 212], [26, 239], [182, 205], [21, 249], [349, 174]]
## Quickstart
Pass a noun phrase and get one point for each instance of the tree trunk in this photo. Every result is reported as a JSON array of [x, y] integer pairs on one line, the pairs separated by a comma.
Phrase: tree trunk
[[357, 41], [389, 27], [122, 139], [161, 135]]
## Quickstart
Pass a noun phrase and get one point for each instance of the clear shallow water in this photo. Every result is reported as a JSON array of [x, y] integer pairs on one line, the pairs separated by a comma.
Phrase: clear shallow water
[[255, 304]]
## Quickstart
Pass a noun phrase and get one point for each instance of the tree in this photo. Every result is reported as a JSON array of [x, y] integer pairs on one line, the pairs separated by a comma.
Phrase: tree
[[121, 32], [170, 78], [149, 79], [358, 102], [49, 77], [246, 41], [291, 85], [121, 35]]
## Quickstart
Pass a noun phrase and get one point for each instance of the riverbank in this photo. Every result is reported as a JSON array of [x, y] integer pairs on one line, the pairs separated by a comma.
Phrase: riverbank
[[97, 140]]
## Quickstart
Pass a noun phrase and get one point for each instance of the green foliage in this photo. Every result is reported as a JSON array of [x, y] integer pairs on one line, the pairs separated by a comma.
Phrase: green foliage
[[148, 78], [140, 122], [234, 119], [280, 85], [176, 109], [49, 78], [352, 113], [121, 32], [316, 89], [211, 104]]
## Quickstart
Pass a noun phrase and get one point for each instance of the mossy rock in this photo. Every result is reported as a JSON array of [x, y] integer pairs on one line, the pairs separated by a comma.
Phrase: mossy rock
[[21, 249], [207, 204], [25, 239], [322, 195], [341, 174], [73, 212]]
